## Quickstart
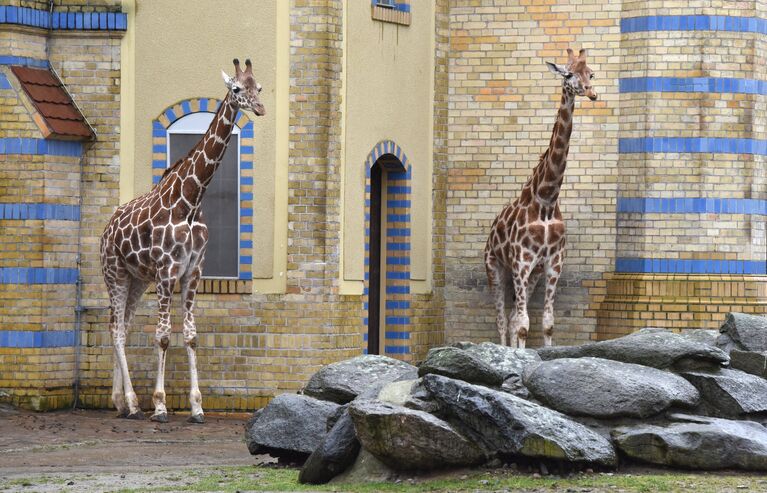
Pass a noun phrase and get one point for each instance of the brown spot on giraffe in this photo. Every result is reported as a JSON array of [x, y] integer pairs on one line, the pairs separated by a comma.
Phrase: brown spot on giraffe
[[167, 246], [538, 219]]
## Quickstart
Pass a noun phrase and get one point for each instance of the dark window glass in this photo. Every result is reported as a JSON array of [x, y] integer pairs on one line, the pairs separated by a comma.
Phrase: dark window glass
[[220, 207]]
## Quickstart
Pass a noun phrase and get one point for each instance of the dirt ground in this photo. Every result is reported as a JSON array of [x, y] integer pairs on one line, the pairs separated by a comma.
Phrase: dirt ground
[[82, 444], [93, 451]]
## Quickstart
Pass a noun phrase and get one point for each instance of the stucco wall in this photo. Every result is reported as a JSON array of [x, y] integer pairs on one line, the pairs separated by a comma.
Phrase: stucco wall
[[389, 84], [171, 68]]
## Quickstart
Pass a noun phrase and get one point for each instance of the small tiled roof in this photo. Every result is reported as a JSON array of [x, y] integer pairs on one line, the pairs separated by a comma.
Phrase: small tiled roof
[[60, 118]]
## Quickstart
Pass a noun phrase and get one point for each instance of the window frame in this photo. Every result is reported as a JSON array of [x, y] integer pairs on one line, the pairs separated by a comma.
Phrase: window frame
[[197, 123], [160, 124]]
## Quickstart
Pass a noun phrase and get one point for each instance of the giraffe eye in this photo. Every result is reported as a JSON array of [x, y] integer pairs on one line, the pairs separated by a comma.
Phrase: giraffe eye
[[591, 76], [235, 89]]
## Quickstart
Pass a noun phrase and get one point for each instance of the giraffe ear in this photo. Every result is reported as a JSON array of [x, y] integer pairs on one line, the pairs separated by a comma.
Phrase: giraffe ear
[[227, 80], [558, 69]]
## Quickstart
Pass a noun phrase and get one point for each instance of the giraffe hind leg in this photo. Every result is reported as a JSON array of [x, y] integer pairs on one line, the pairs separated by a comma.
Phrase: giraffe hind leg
[[496, 277], [118, 285]]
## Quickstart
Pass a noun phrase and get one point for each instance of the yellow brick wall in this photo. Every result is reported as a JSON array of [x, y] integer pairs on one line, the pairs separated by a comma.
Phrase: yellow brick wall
[[502, 106]]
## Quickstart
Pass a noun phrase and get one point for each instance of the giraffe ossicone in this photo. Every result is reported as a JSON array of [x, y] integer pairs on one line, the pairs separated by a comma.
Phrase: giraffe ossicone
[[527, 238], [160, 237]]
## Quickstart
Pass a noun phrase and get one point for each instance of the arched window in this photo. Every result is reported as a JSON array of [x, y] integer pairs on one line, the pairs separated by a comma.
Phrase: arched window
[[228, 204], [221, 205]]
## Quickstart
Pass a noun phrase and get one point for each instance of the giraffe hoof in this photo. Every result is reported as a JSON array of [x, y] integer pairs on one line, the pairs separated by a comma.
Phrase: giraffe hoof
[[138, 415], [196, 419], [159, 418], [121, 414]]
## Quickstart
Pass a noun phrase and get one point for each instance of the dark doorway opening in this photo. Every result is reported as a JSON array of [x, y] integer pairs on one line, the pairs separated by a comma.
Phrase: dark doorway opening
[[374, 283]]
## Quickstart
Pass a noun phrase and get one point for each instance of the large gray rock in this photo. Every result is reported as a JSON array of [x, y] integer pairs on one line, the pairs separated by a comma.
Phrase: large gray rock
[[507, 360], [366, 469], [743, 331], [334, 455], [730, 393], [507, 425], [705, 336], [657, 348], [607, 389], [290, 427], [407, 439], [410, 394], [343, 381], [458, 363], [512, 362], [702, 443], [753, 362]]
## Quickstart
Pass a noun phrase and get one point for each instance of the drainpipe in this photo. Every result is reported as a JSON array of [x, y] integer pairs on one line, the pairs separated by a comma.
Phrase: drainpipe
[[79, 308]]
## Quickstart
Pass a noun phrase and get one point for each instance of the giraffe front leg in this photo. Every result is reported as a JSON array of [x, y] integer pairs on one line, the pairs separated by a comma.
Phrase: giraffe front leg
[[165, 285], [497, 281], [118, 395], [520, 322], [553, 271], [189, 290]]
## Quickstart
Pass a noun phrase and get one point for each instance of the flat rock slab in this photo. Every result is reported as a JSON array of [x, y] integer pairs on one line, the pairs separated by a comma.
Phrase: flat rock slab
[[512, 362], [342, 382], [334, 455], [508, 361], [731, 393], [702, 443], [406, 439], [743, 331], [507, 425], [753, 362], [459, 363], [603, 388], [291, 426], [657, 348]]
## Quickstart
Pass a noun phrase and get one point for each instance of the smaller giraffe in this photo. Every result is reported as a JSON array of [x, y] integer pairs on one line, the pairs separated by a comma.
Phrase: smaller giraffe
[[527, 238], [160, 237]]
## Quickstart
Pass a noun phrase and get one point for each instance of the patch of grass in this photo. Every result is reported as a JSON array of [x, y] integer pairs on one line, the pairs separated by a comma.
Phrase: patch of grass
[[250, 478]]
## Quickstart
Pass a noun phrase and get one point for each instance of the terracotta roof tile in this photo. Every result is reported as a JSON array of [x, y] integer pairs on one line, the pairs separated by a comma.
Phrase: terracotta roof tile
[[69, 127], [36, 76], [60, 117], [62, 111]]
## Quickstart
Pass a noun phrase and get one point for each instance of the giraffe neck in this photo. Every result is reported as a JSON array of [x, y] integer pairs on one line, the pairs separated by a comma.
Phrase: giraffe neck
[[198, 168], [548, 175]]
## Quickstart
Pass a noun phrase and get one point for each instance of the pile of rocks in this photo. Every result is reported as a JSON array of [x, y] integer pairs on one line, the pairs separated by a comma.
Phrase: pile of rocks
[[653, 396]]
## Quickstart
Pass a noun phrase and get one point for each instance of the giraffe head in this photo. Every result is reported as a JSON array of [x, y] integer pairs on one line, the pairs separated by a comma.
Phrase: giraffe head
[[244, 88], [576, 75]]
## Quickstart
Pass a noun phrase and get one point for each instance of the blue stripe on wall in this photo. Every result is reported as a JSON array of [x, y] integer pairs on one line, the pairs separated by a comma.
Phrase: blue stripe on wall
[[694, 145], [694, 23], [37, 275], [692, 84], [15, 145], [39, 211], [37, 339], [396, 350], [680, 266], [393, 334], [691, 206], [24, 61], [4, 82], [90, 21]]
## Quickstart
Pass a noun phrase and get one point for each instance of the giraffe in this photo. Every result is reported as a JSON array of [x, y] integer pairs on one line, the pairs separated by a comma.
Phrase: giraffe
[[527, 238], [160, 238]]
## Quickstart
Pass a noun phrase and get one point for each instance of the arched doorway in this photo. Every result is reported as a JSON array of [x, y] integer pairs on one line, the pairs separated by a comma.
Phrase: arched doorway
[[387, 251]]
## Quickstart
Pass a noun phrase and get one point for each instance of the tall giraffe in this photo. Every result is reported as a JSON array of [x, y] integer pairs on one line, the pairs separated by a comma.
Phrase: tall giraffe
[[527, 238], [160, 238]]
